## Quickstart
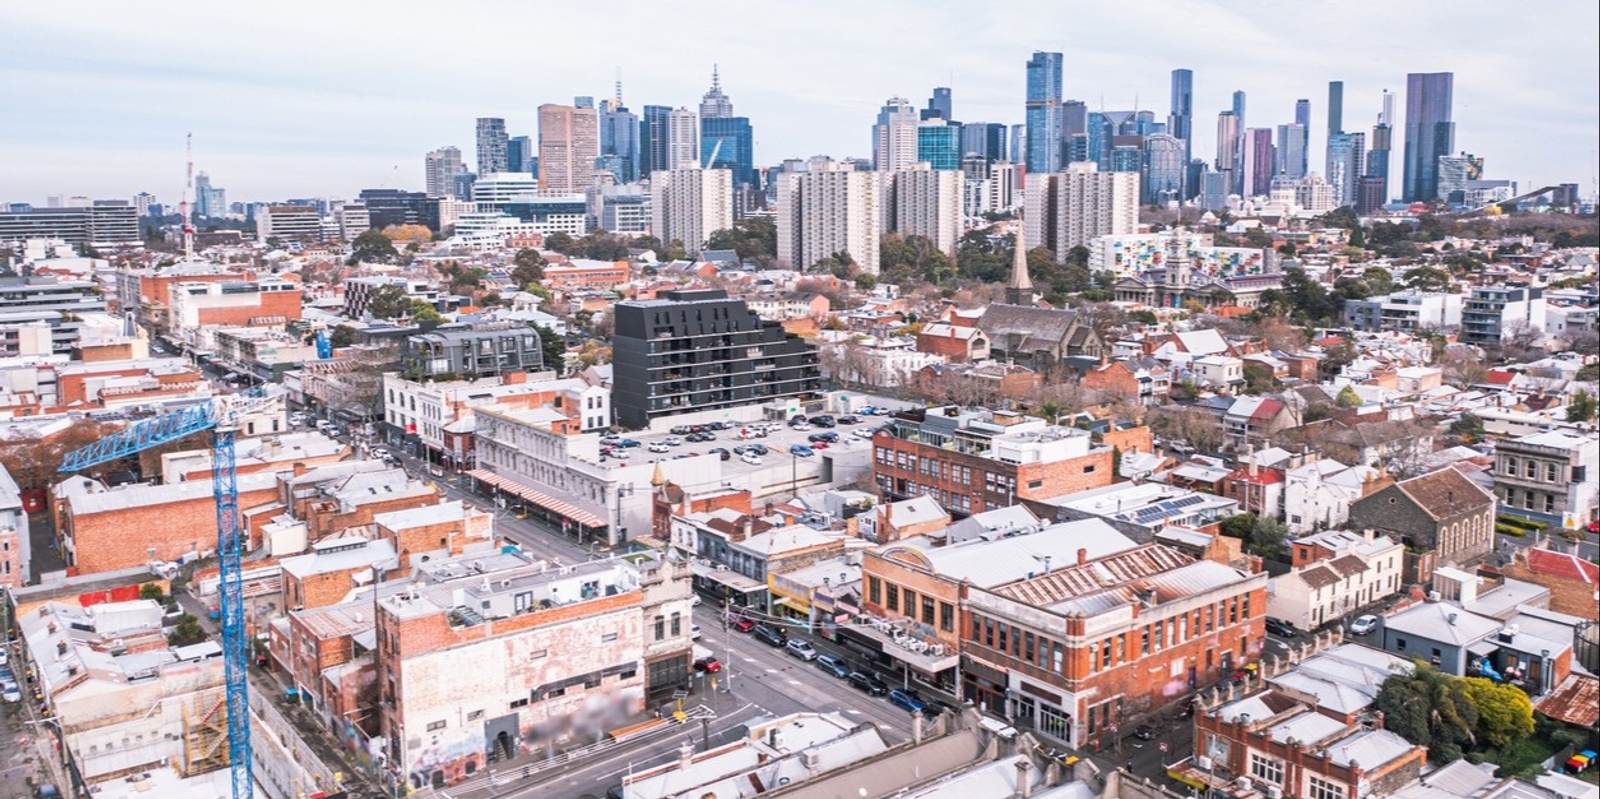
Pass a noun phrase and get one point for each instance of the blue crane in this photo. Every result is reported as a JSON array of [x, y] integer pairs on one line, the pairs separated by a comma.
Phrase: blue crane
[[221, 417]]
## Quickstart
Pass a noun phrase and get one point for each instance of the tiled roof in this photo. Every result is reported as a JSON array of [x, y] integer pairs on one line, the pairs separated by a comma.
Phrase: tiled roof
[[1561, 564], [1445, 493]]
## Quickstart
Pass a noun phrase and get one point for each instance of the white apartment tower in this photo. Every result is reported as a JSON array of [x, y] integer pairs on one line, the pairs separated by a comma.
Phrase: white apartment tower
[[830, 209], [927, 202], [894, 138], [440, 168], [569, 142], [683, 139], [1072, 208], [689, 204]]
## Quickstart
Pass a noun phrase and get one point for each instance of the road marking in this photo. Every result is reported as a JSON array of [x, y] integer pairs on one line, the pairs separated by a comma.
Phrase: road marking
[[796, 682]]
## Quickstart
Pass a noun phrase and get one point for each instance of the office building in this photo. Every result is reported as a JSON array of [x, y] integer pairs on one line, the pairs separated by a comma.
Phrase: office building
[[1430, 133], [1164, 169], [939, 105], [688, 204], [1302, 117], [1239, 186], [715, 104], [1312, 193], [830, 209], [208, 200], [1454, 173], [683, 138], [440, 168], [1180, 122], [894, 136], [492, 157], [1043, 113], [288, 223], [1494, 314], [619, 139], [1019, 144], [1072, 208], [1258, 158], [1408, 311], [1291, 151], [727, 143], [1346, 166], [928, 202], [142, 203], [653, 139], [623, 209], [520, 154], [939, 145], [1378, 155], [569, 143], [987, 139], [1214, 190], [480, 350], [691, 351], [491, 192], [61, 304], [1228, 140], [1074, 119], [102, 224], [1335, 107]]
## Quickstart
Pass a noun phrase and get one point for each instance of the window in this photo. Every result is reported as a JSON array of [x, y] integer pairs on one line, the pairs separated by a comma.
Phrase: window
[[608, 638], [947, 617], [894, 598], [1511, 466], [516, 703], [1266, 770], [1089, 469], [927, 610], [1027, 647], [911, 602], [435, 725], [476, 715], [874, 590], [1105, 654], [1533, 469], [677, 625], [1035, 483], [1144, 641], [1318, 788], [661, 627], [1550, 473], [1400, 644]]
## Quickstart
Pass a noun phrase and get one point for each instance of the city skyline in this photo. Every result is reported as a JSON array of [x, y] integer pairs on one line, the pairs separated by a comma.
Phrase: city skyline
[[287, 112]]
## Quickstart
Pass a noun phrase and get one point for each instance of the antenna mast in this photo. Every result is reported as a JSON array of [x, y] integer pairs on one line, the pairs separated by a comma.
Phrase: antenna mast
[[188, 188]]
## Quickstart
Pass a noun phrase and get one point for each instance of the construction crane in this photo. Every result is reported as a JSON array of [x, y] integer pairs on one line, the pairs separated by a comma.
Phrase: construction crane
[[221, 416]]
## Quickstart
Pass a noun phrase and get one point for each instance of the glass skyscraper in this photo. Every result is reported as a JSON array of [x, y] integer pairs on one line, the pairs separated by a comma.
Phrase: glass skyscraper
[[619, 141], [653, 139], [1180, 122], [732, 139], [1043, 113], [939, 144], [987, 139], [1430, 133]]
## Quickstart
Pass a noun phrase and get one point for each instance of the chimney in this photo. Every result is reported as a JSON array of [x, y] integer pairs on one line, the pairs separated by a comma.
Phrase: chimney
[[1083, 556], [1024, 777], [299, 468], [685, 755]]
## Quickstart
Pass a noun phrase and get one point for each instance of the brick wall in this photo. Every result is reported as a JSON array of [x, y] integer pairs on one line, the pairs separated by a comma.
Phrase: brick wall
[[880, 574], [1570, 596], [1133, 439], [120, 538]]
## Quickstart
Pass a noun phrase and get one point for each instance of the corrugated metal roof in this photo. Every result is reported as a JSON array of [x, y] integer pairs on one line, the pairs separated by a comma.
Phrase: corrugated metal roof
[[1113, 570]]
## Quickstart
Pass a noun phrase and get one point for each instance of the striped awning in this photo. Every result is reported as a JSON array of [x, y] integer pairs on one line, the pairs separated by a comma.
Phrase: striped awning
[[543, 500]]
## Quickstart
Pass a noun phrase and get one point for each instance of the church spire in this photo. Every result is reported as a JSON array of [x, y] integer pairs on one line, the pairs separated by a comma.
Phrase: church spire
[[1020, 290], [659, 478]]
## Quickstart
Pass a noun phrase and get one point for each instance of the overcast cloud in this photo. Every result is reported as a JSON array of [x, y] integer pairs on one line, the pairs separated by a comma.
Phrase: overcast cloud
[[302, 99]]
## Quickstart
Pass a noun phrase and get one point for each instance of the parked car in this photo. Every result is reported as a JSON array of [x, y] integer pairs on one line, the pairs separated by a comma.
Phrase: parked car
[[694, 632], [849, 418], [721, 453], [833, 665], [13, 694], [1280, 628], [657, 446], [771, 636], [1144, 732], [627, 443], [822, 421], [751, 458], [801, 450], [826, 435], [801, 649], [867, 683], [672, 441], [743, 625], [709, 665], [1364, 625], [759, 449], [908, 700]]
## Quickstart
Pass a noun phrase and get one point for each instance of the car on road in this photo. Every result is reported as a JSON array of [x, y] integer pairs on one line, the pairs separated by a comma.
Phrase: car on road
[[833, 665], [720, 453], [849, 418], [1144, 732], [627, 443], [1281, 628], [1364, 625], [709, 665], [822, 421], [743, 625], [657, 446], [751, 458], [868, 684], [771, 636], [908, 700], [826, 435], [694, 633], [801, 450], [800, 649]]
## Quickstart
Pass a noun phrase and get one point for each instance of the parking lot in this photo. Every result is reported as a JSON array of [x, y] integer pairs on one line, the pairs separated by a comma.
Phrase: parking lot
[[775, 438]]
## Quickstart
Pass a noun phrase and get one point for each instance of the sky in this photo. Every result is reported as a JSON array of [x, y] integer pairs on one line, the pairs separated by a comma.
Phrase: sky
[[301, 99]]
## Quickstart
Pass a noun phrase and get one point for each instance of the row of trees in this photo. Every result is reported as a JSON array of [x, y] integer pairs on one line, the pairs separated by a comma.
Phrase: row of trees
[[1454, 716]]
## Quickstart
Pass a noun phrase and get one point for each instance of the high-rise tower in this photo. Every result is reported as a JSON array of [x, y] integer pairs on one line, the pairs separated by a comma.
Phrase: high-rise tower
[[491, 145], [726, 141], [440, 168], [1043, 113], [619, 138], [939, 106], [569, 143], [1302, 117], [653, 139], [1378, 157], [1335, 107], [715, 104], [894, 137], [1180, 122], [683, 138], [1430, 133]]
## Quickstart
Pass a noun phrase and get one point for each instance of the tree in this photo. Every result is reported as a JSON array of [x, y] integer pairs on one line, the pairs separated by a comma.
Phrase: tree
[[527, 267], [372, 246], [342, 336], [1267, 537], [1430, 708], [554, 348], [751, 237], [1258, 378], [1348, 398], [560, 242], [152, 592], [1469, 427], [34, 462], [1239, 525], [412, 234], [1504, 712], [186, 631], [421, 311], [1582, 407], [1428, 278], [388, 301]]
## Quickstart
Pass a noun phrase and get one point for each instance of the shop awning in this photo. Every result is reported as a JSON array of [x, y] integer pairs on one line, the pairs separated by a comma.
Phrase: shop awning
[[543, 500]]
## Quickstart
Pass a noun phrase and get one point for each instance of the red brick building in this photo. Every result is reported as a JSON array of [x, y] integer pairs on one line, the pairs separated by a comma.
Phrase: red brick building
[[1090, 645], [971, 461]]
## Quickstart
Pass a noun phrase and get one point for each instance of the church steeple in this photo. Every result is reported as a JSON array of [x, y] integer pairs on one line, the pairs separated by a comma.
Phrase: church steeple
[[1019, 291]]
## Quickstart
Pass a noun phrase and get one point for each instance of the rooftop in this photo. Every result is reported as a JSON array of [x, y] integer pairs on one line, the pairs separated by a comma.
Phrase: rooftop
[[988, 563]]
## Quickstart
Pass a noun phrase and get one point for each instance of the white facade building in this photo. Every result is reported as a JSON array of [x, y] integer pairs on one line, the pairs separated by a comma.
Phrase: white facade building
[[927, 203], [493, 191], [894, 137], [1350, 571], [683, 138], [688, 204], [1319, 493], [1073, 208], [830, 209]]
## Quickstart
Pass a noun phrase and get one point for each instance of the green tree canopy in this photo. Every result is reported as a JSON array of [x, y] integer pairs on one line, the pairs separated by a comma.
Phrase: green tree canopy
[[553, 347], [388, 301], [1504, 712], [527, 267], [1430, 708], [421, 311], [1348, 398], [560, 242], [751, 237], [372, 247], [1582, 407], [1428, 278]]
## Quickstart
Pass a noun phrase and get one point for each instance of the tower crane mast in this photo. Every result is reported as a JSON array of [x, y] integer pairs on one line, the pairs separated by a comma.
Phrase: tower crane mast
[[221, 417]]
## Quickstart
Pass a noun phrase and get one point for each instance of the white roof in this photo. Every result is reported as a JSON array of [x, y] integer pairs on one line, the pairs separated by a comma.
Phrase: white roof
[[140, 494], [1203, 342], [1437, 621], [986, 564]]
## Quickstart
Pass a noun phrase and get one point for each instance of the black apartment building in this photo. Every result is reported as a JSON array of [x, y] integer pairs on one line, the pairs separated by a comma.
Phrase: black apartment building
[[691, 351]]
